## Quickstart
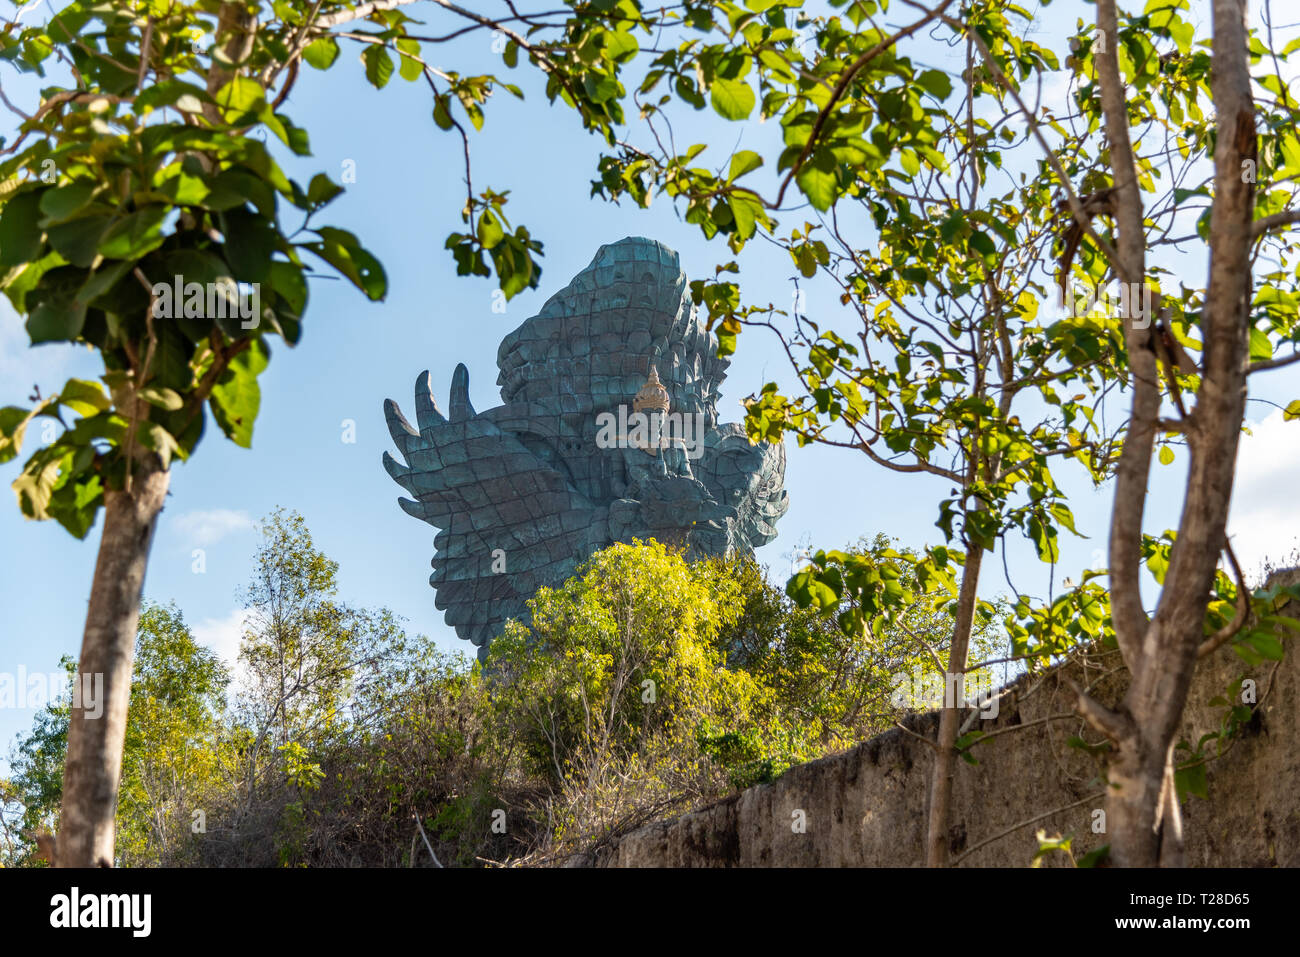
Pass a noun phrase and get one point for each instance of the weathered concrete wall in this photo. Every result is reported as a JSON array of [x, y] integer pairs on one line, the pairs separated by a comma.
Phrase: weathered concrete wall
[[867, 806]]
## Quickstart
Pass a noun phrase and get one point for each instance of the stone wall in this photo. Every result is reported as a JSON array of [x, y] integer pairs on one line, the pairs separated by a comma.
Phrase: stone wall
[[867, 806]]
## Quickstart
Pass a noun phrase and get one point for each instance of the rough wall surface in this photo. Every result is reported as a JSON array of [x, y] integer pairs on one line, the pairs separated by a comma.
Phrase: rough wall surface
[[867, 807]]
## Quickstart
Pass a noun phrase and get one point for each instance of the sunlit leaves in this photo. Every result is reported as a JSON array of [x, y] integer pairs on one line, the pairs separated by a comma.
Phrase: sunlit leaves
[[379, 65], [321, 52], [732, 99], [509, 249]]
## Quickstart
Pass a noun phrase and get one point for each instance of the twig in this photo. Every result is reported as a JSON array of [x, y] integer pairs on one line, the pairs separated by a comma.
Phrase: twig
[[1112, 724], [1015, 827], [1020, 727], [923, 740], [426, 839]]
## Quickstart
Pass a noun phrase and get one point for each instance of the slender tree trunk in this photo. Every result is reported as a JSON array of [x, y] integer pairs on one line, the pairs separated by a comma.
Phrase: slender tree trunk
[[1142, 815], [97, 730], [936, 846]]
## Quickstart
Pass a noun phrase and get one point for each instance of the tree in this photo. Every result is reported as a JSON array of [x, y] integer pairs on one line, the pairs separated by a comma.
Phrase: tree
[[177, 753], [612, 690], [844, 685], [647, 682], [644, 684], [175, 756], [308, 657], [139, 217], [36, 787]]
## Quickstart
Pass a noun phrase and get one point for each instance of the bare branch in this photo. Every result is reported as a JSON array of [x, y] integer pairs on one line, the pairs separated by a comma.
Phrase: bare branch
[[1025, 823], [359, 12], [1277, 363], [1114, 725], [1288, 217]]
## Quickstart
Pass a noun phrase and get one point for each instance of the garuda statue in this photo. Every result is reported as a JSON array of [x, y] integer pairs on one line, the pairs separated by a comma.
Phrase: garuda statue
[[608, 432]]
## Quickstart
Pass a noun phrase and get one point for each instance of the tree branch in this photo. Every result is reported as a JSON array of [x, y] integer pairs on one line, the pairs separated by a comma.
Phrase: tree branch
[[1243, 610], [842, 85]]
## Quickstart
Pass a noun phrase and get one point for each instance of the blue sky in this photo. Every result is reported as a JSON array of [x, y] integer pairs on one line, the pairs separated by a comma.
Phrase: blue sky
[[354, 354]]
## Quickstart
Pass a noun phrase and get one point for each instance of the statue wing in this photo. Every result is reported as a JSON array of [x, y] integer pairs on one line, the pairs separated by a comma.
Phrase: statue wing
[[507, 521]]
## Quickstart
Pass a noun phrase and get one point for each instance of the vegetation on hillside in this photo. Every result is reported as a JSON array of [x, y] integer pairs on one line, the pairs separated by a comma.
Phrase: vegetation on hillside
[[644, 685]]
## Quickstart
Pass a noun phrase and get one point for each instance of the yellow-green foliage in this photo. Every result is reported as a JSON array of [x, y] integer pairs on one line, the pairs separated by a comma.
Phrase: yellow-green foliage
[[614, 689], [644, 685], [177, 756]]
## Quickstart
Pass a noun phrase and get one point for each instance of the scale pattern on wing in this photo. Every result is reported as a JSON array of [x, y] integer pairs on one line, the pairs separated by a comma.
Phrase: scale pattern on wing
[[507, 521]]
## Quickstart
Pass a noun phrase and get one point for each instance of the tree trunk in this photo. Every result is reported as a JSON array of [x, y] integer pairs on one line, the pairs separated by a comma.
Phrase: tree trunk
[[97, 729], [936, 846], [1141, 805]]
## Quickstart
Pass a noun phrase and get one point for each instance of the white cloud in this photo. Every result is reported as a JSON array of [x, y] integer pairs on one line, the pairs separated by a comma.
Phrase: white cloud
[[1264, 523], [222, 635], [209, 526]]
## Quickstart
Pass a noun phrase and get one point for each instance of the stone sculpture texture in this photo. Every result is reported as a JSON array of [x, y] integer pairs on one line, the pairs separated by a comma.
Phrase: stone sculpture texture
[[608, 432]]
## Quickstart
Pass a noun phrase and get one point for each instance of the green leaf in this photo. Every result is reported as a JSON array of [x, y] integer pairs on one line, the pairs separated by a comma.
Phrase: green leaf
[[1044, 537], [340, 249], [186, 97], [13, 424], [288, 282], [20, 237], [164, 398], [63, 202], [746, 211], [1192, 781], [1260, 348], [817, 181], [35, 484], [442, 112], [56, 319], [84, 397], [322, 190], [236, 397], [1095, 857], [241, 95], [409, 68], [1292, 411], [320, 54], [28, 278], [733, 99], [744, 161], [982, 244], [1061, 512], [620, 47], [1266, 644], [936, 82], [157, 439], [379, 65], [171, 360], [490, 232], [77, 241], [75, 503], [137, 234], [250, 243]]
